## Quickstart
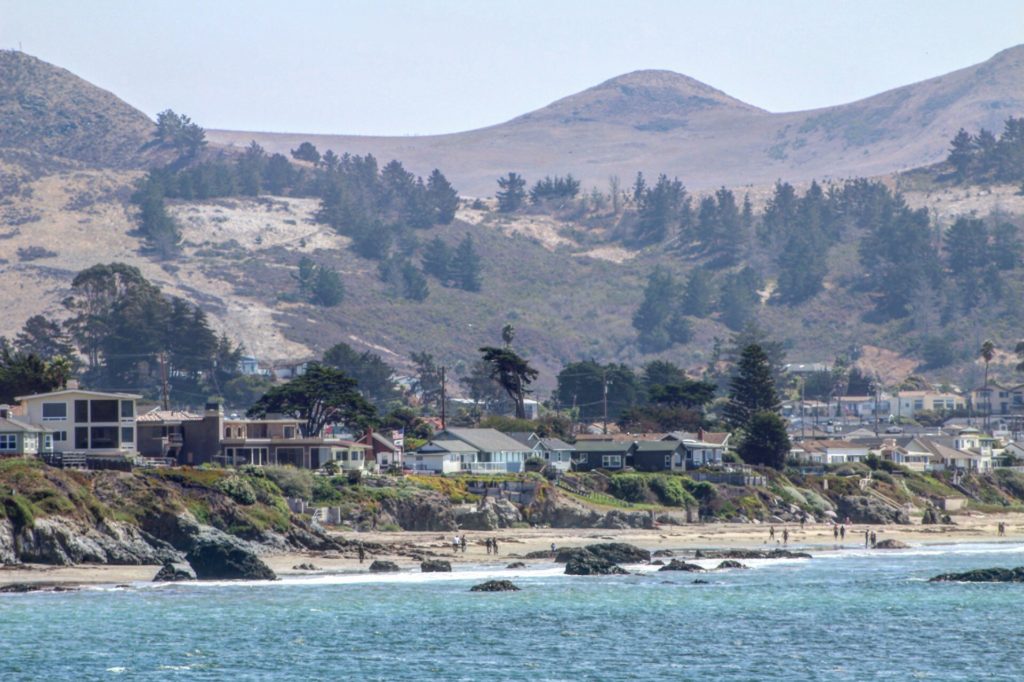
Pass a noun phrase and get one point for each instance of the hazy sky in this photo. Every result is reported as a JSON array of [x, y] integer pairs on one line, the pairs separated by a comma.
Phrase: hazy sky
[[405, 67]]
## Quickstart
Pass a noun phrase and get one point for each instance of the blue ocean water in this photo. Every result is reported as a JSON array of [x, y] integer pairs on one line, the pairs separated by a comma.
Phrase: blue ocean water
[[850, 615]]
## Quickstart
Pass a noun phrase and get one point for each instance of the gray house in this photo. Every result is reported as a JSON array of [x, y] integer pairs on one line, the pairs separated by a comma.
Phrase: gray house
[[556, 453], [603, 454], [495, 452]]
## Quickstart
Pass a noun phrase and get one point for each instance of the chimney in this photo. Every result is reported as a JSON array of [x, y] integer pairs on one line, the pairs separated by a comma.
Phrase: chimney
[[72, 385], [213, 410], [700, 433], [5, 411]]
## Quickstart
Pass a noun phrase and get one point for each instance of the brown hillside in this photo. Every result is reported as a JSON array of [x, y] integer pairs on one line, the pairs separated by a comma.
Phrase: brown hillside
[[659, 121], [50, 111]]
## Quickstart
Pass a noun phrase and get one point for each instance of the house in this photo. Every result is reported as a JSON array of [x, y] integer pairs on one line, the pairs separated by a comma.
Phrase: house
[[441, 456], [912, 454], [834, 451], [495, 451], [212, 437], [602, 454], [556, 453], [88, 422], [384, 452], [703, 448], [909, 403], [964, 452], [659, 455], [21, 439], [993, 398]]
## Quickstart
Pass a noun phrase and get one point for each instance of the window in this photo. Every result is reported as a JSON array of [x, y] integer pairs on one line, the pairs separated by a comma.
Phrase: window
[[55, 411], [103, 410], [81, 411], [48, 442], [127, 409], [919, 404], [8, 441], [60, 436], [289, 432], [127, 435], [81, 436], [103, 437], [611, 461], [668, 461]]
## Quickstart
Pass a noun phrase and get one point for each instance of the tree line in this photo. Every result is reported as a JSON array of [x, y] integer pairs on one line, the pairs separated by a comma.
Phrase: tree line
[[983, 157]]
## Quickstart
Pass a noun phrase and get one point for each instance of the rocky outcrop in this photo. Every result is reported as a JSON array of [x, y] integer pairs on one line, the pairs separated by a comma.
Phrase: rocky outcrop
[[749, 554], [983, 575], [65, 541], [495, 586], [215, 555], [589, 564], [436, 566], [476, 519], [381, 566], [559, 511], [423, 512], [540, 554], [891, 544], [172, 572], [727, 564], [679, 565], [614, 552], [863, 509], [516, 564]]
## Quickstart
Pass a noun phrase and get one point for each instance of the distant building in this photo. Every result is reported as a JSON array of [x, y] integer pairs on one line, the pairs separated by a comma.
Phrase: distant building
[[94, 423], [18, 438]]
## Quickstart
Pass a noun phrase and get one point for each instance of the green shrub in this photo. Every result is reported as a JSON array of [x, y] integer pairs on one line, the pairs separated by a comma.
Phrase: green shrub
[[629, 487], [702, 490], [19, 511], [671, 492], [238, 489], [292, 481]]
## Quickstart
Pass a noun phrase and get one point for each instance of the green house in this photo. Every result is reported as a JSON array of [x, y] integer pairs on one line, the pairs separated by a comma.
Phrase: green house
[[20, 439]]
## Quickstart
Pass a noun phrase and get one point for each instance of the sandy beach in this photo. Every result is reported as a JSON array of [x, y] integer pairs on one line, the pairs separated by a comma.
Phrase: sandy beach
[[515, 543]]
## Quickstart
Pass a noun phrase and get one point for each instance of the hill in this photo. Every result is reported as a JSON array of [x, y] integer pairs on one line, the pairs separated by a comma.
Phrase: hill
[[50, 112], [659, 121]]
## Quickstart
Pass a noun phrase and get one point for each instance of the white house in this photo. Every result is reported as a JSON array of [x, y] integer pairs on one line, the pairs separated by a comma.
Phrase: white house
[[443, 457], [703, 448], [90, 422], [835, 451]]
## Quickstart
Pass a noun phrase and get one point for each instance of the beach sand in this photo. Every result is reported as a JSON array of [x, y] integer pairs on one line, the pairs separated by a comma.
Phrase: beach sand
[[514, 543]]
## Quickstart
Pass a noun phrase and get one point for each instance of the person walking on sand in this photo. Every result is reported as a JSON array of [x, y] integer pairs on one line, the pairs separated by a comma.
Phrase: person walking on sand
[[463, 542], [803, 517], [867, 537], [771, 534], [785, 536], [489, 544], [842, 533], [552, 548], [835, 531], [362, 552], [874, 539], [455, 545], [494, 543]]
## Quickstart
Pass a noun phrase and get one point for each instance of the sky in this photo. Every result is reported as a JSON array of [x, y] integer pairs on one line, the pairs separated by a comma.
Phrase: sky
[[411, 68]]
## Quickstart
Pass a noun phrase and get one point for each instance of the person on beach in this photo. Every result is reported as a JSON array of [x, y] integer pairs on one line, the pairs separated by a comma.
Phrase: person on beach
[[785, 536], [835, 531], [867, 537], [771, 534], [487, 543], [455, 545], [842, 533], [552, 548], [362, 552], [803, 517], [494, 543], [874, 539], [463, 542]]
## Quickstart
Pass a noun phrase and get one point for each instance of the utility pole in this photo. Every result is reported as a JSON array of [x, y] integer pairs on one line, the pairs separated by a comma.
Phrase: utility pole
[[803, 414], [575, 419], [444, 398], [164, 390], [604, 398]]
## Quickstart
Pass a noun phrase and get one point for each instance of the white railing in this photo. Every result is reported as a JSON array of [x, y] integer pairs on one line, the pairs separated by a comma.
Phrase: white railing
[[484, 467]]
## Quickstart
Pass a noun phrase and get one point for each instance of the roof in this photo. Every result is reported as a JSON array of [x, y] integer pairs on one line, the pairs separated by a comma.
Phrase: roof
[[657, 446], [10, 425], [555, 444], [486, 440], [939, 449], [603, 446], [710, 437], [524, 437], [79, 391], [446, 446]]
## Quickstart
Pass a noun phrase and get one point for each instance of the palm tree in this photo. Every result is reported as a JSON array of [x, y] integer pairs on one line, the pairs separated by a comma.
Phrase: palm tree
[[987, 352], [512, 372]]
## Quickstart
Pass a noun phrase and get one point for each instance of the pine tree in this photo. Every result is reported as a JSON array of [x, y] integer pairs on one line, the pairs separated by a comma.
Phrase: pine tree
[[466, 265], [961, 154], [697, 294], [752, 388], [511, 193], [443, 198], [326, 290], [437, 261], [765, 441], [414, 284]]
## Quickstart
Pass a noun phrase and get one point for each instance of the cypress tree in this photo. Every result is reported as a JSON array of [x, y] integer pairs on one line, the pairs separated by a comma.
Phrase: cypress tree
[[466, 265]]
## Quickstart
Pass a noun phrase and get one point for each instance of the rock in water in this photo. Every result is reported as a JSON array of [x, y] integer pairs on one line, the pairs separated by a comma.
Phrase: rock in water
[[891, 544], [433, 566], [516, 564], [380, 566], [750, 554], [679, 565], [219, 556], [614, 552], [495, 586], [729, 563], [983, 575], [174, 572], [588, 564]]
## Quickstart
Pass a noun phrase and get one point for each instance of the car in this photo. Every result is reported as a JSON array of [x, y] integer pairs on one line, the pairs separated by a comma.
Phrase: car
[[894, 429]]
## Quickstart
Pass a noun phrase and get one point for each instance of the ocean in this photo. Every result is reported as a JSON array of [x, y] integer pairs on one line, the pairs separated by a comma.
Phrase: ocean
[[843, 615]]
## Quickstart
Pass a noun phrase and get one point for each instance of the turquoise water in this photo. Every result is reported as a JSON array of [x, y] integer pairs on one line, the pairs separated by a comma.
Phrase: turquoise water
[[840, 616]]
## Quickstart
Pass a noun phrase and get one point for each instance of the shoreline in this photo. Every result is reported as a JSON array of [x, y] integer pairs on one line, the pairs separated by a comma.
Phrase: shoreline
[[514, 543]]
